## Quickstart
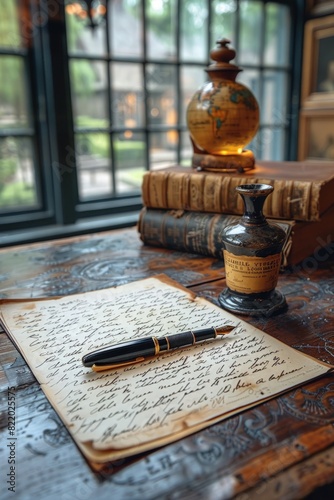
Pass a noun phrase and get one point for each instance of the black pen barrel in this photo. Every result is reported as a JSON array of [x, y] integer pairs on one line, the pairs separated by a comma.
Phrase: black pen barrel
[[205, 334], [190, 337], [121, 353], [137, 350]]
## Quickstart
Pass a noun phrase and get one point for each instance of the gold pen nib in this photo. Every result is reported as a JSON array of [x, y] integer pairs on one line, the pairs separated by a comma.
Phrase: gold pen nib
[[225, 330]]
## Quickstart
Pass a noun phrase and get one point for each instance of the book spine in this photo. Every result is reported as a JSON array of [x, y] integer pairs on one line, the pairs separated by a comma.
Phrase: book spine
[[215, 193], [193, 232]]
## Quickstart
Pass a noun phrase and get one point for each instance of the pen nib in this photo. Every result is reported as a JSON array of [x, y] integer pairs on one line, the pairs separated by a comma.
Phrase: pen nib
[[224, 330]]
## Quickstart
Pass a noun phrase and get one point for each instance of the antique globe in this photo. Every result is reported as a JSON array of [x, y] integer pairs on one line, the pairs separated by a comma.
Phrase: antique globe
[[223, 115]]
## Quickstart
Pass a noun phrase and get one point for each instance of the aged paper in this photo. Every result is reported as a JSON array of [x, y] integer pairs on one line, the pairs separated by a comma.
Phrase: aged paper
[[121, 412]]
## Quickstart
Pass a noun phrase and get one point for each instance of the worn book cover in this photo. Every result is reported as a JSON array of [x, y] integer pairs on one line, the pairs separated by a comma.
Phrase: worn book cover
[[302, 190], [201, 232], [132, 409]]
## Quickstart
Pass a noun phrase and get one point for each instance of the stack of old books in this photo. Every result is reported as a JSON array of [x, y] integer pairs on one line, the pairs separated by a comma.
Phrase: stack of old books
[[185, 208]]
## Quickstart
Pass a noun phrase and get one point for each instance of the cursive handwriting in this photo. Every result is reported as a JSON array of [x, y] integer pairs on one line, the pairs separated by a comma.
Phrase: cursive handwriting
[[159, 397]]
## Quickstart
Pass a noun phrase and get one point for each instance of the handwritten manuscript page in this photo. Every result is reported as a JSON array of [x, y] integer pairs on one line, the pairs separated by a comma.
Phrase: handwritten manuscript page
[[122, 412]]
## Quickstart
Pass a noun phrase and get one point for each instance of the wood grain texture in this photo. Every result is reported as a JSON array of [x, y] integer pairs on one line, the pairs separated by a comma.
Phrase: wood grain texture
[[280, 449], [102, 261]]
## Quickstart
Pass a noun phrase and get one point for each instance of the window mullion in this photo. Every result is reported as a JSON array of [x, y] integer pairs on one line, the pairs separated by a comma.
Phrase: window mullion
[[145, 85], [40, 101], [110, 100], [237, 28], [64, 171], [178, 78], [261, 71]]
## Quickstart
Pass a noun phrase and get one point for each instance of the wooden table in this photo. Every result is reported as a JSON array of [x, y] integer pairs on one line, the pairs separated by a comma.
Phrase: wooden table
[[283, 448]]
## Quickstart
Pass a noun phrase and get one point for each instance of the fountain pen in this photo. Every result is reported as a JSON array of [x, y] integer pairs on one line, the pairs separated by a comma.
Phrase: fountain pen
[[138, 350]]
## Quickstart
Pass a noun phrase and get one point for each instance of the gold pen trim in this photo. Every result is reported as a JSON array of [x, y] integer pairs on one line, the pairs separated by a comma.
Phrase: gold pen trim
[[102, 368], [156, 346]]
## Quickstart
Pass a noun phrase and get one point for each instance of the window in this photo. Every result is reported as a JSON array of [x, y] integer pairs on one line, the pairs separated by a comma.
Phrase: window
[[19, 181], [85, 111]]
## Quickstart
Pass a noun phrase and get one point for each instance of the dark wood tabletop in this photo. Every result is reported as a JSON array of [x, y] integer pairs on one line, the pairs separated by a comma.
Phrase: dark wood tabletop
[[280, 449]]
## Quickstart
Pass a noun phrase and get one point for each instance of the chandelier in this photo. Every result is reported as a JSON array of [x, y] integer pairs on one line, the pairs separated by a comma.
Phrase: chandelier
[[93, 12]]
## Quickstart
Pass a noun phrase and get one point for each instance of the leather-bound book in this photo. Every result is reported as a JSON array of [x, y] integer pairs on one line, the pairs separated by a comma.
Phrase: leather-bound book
[[302, 190], [201, 233]]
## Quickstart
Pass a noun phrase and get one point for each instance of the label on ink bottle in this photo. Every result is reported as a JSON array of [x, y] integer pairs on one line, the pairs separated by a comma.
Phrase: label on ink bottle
[[246, 274]]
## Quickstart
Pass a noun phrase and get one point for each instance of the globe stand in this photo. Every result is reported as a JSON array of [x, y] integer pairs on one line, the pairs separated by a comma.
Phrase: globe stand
[[241, 162]]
